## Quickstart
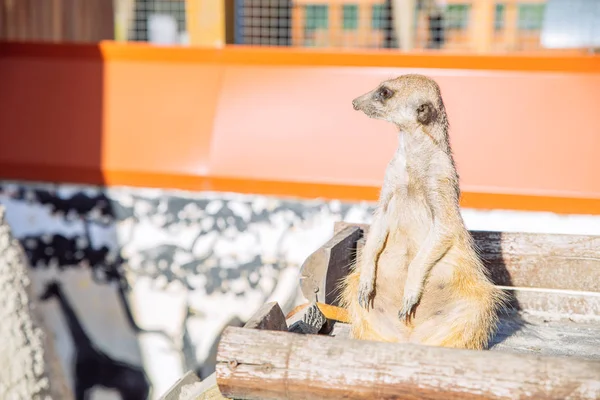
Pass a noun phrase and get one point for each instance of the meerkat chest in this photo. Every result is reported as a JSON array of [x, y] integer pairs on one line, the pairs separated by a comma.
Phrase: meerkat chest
[[405, 177]]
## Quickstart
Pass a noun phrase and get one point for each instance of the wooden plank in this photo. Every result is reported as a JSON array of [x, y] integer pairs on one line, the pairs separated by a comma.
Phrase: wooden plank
[[531, 334], [365, 16], [403, 12], [481, 21], [206, 22], [189, 387], [176, 389], [556, 303], [535, 334], [511, 31], [275, 365], [56, 20], [268, 317], [334, 26], [298, 21], [322, 270], [534, 260]]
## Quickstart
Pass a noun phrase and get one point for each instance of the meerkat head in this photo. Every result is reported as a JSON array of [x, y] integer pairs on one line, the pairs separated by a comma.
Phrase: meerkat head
[[407, 101]]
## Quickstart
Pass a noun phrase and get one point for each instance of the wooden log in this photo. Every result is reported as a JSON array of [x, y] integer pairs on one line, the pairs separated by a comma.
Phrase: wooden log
[[322, 270], [535, 260], [268, 317], [275, 365]]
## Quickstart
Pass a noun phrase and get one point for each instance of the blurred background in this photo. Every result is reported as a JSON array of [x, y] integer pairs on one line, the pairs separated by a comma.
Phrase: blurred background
[[450, 25], [167, 165]]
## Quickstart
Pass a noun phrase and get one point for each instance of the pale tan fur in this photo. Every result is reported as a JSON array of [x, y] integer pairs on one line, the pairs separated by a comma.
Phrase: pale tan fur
[[419, 278]]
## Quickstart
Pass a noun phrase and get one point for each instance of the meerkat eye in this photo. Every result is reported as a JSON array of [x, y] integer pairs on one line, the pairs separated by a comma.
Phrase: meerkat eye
[[385, 93]]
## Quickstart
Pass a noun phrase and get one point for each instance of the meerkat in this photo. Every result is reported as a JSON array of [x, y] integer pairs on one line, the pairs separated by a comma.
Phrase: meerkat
[[419, 278]]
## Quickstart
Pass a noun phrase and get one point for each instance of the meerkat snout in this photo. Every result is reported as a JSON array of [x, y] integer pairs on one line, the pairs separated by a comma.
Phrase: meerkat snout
[[355, 104]]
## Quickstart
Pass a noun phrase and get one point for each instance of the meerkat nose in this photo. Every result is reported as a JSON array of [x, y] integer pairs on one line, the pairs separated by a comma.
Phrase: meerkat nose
[[355, 104]]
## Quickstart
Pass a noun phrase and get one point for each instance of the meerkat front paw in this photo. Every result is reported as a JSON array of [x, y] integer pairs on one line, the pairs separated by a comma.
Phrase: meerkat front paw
[[409, 302], [366, 293]]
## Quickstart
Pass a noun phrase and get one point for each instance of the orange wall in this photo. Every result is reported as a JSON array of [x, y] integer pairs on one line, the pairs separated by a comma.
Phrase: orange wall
[[280, 121]]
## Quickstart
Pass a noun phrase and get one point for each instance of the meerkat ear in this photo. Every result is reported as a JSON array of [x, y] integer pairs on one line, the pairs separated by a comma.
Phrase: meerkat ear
[[426, 113]]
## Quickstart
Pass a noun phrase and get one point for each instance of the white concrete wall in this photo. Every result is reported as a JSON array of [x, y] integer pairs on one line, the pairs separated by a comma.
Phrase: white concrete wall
[[194, 262], [27, 354]]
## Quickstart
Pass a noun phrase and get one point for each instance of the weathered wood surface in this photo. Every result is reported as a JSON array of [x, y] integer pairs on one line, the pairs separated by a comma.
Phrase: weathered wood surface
[[556, 303], [553, 261], [535, 335], [556, 337], [180, 390], [276, 365], [209, 390], [268, 317], [323, 269], [57, 20]]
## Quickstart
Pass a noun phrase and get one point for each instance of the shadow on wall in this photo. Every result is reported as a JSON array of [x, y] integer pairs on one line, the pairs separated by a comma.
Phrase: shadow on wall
[[39, 213], [56, 249], [93, 367], [67, 243], [164, 273]]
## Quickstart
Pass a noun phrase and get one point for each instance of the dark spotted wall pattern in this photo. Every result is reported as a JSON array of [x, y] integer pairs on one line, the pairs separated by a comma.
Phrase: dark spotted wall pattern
[[225, 254]]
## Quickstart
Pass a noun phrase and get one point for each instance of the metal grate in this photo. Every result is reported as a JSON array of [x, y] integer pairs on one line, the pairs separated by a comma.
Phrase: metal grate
[[371, 24], [263, 22], [299, 23], [156, 21], [445, 25]]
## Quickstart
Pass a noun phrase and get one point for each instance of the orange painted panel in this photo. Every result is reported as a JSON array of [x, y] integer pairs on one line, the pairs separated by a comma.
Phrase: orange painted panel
[[280, 121], [298, 124], [159, 117], [509, 131]]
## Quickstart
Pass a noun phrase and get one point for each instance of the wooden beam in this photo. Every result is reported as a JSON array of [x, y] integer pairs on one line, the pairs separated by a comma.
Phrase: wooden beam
[[481, 21], [205, 20], [180, 388], [404, 23], [268, 317], [322, 270], [511, 30], [365, 15], [533, 260], [57, 20], [298, 22], [275, 365], [556, 303]]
